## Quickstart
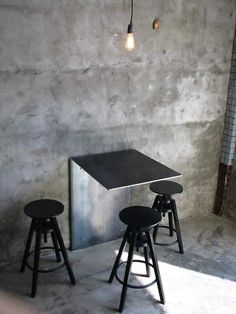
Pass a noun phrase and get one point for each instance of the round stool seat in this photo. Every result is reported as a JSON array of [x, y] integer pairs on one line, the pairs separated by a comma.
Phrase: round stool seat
[[140, 217], [166, 187], [44, 208]]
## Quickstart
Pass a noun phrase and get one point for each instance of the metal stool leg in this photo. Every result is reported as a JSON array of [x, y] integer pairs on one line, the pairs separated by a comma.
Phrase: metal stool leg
[[27, 246], [156, 269], [170, 223], [177, 227], [45, 237], [63, 250], [157, 205], [146, 257], [55, 245], [36, 257], [117, 261], [127, 271], [155, 231]]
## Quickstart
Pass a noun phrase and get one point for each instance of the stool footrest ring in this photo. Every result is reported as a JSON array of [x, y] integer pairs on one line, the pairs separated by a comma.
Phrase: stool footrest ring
[[135, 286], [45, 270], [169, 243]]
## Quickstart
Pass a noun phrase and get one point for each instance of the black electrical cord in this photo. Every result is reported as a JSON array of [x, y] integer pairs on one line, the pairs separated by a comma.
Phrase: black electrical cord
[[130, 26], [132, 11]]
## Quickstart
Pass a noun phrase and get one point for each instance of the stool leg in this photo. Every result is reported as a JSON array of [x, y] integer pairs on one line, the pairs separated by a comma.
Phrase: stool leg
[[45, 237], [170, 224], [63, 250], [155, 231], [146, 257], [156, 269], [36, 257], [127, 271], [157, 205], [27, 246], [56, 248], [177, 227], [117, 261]]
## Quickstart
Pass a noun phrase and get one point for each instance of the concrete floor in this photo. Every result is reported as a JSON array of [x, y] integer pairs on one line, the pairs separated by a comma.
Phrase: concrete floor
[[201, 281]]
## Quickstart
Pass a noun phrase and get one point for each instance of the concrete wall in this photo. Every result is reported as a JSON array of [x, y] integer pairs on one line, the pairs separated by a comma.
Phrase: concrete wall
[[68, 87]]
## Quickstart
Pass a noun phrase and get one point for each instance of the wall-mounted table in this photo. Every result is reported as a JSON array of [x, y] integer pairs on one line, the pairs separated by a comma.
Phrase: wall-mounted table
[[94, 212]]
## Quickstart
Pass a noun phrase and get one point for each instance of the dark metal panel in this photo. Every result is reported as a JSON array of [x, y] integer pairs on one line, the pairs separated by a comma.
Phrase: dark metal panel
[[124, 168]]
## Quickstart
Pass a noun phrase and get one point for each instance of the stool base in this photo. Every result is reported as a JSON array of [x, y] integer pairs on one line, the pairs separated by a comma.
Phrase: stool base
[[42, 226], [166, 204], [131, 236], [44, 270], [168, 243], [136, 286]]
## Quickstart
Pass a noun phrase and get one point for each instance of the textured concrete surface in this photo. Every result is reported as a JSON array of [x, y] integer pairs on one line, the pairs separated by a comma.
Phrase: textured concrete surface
[[203, 280], [68, 87]]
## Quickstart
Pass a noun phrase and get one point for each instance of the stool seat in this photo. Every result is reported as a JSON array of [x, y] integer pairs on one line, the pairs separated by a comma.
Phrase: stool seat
[[140, 217], [44, 208], [166, 187]]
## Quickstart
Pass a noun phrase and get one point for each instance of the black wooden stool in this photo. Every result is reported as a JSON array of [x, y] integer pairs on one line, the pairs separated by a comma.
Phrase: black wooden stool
[[43, 214], [164, 203], [139, 221]]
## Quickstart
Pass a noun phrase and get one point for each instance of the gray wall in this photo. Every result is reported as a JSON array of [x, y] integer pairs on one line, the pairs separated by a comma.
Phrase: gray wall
[[68, 87]]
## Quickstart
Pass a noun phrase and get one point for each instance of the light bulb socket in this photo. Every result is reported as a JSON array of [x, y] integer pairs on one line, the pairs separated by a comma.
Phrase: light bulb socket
[[130, 28]]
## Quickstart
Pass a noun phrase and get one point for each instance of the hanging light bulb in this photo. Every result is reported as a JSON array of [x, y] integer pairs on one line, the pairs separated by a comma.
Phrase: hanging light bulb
[[129, 42]]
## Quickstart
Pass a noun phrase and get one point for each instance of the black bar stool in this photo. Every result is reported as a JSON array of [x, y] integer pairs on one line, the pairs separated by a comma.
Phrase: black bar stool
[[164, 203], [139, 220], [43, 214]]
